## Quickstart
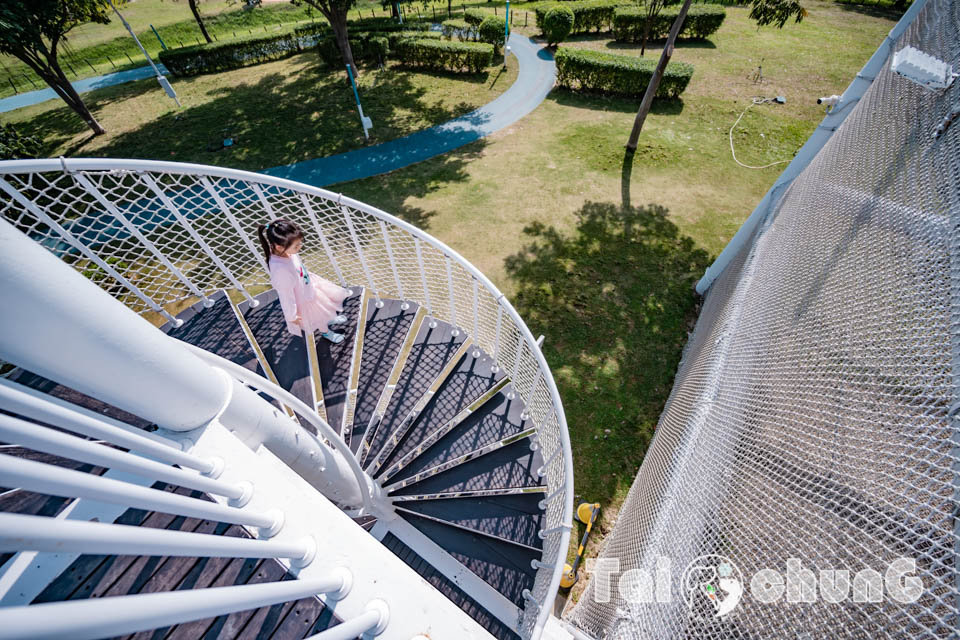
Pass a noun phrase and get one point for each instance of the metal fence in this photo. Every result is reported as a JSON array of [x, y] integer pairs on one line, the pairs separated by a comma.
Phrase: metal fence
[[812, 429], [154, 234]]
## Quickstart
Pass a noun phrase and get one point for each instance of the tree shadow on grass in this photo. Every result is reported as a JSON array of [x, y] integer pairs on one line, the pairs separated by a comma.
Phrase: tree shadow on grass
[[601, 102], [615, 300]]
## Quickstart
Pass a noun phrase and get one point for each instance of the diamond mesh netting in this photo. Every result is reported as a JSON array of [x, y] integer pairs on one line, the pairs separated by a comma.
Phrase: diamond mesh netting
[[810, 417]]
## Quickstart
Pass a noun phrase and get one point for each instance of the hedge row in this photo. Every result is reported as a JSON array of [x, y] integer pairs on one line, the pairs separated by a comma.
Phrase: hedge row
[[443, 54], [475, 16], [242, 52], [586, 70], [397, 36], [588, 15], [701, 21], [366, 47], [386, 24], [462, 29]]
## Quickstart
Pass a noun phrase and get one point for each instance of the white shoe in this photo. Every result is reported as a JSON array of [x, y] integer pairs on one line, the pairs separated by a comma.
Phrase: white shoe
[[335, 338], [337, 320]]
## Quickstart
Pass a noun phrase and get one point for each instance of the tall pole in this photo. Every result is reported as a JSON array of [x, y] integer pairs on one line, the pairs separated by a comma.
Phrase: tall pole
[[506, 34], [655, 80], [164, 83]]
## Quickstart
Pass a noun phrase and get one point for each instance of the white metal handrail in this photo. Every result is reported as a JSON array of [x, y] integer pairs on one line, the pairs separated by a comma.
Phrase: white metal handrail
[[261, 384], [108, 617], [387, 253]]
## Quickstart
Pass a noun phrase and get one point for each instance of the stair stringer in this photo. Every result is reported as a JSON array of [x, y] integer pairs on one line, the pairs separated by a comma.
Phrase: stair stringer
[[416, 607]]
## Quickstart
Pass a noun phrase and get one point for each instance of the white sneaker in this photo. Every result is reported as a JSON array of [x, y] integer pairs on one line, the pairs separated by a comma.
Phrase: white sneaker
[[338, 320], [335, 338]]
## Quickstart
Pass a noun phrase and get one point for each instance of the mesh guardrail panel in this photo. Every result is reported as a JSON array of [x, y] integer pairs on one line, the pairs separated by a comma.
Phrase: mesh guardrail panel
[[810, 418]]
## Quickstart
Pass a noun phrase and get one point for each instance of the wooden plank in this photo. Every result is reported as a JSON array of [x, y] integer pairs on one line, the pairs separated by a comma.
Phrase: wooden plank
[[300, 621]]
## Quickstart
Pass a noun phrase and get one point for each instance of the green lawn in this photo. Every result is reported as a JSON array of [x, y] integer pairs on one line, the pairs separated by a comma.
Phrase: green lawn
[[282, 112]]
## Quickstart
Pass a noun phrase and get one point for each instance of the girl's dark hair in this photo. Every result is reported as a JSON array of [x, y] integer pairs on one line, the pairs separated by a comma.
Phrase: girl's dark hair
[[280, 232]]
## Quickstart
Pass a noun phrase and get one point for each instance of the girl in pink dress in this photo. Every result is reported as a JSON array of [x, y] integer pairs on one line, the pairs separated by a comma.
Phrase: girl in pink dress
[[308, 301]]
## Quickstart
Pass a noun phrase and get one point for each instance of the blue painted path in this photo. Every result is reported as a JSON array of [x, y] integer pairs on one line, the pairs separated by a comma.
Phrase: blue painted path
[[82, 86], [534, 81]]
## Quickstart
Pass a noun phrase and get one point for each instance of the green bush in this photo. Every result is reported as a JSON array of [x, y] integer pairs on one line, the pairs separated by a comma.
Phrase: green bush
[[243, 52], [386, 24], [557, 24], [701, 21], [442, 54], [16, 146], [586, 70], [475, 16], [395, 36], [589, 15], [460, 28], [366, 47], [493, 30]]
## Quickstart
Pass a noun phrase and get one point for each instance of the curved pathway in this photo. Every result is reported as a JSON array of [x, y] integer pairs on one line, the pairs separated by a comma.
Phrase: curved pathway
[[534, 81], [82, 86]]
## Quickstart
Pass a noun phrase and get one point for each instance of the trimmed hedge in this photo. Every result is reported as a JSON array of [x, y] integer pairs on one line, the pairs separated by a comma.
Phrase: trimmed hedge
[[557, 24], [386, 24], [444, 54], [586, 70], [242, 52], [366, 47], [493, 31], [396, 36], [475, 16], [701, 21], [460, 28], [589, 15]]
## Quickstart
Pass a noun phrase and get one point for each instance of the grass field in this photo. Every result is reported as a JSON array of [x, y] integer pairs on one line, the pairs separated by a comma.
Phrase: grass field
[[281, 112], [599, 251]]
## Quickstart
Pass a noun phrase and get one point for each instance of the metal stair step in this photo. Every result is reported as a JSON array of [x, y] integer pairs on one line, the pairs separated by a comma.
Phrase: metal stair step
[[472, 378], [493, 418], [337, 361], [505, 567], [514, 465], [384, 334], [433, 351], [516, 518]]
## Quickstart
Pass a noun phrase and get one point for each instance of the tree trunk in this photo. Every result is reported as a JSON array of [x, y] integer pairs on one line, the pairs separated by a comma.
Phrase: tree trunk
[[338, 22], [53, 75], [394, 10], [196, 15], [646, 34], [657, 76]]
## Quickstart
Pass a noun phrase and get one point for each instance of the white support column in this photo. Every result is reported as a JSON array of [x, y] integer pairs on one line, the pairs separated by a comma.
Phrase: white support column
[[496, 342], [175, 210], [82, 248], [476, 318], [53, 535], [225, 210], [363, 259], [38, 438], [92, 189], [423, 280], [39, 406], [94, 618], [393, 264], [57, 481], [305, 201], [453, 303], [372, 621]]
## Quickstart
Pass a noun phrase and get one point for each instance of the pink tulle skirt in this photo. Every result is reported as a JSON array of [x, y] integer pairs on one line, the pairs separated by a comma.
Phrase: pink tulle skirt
[[326, 304]]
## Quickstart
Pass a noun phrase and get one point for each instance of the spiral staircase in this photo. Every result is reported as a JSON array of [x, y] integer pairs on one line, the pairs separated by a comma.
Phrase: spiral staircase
[[411, 481]]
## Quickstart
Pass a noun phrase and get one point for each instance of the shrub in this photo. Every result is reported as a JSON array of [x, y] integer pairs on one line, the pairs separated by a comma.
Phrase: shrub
[[242, 52], [557, 24], [493, 30], [395, 36], [460, 28], [619, 75], [366, 47], [591, 15], [386, 24], [475, 16], [701, 21], [14, 145], [442, 54]]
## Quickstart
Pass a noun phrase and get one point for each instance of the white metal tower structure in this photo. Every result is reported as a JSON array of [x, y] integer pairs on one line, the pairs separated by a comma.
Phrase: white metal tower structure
[[176, 464]]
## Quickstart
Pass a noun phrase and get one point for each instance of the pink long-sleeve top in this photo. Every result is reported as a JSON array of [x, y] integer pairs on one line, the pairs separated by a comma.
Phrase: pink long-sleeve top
[[315, 300]]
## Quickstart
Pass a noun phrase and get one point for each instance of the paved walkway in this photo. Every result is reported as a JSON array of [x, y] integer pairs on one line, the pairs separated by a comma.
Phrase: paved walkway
[[534, 81], [82, 86]]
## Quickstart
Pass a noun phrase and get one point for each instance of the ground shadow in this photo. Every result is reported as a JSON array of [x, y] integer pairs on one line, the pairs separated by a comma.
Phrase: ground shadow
[[615, 300], [623, 104], [873, 10]]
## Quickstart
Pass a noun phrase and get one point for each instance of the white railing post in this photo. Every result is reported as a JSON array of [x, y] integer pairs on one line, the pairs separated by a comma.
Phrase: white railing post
[[393, 264], [453, 303], [371, 622], [51, 480], [323, 238], [92, 189], [423, 280], [93, 618], [175, 210], [82, 248], [363, 259], [255, 250], [516, 369], [54, 442], [59, 535], [476, 319], [496, 341]]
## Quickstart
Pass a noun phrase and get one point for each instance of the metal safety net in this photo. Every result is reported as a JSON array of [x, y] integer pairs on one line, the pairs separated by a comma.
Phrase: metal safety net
[[804, 478]]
